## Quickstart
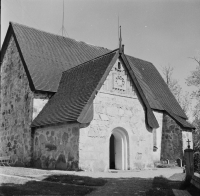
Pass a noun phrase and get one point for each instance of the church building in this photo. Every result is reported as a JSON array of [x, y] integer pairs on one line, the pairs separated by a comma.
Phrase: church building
[[70, 105]]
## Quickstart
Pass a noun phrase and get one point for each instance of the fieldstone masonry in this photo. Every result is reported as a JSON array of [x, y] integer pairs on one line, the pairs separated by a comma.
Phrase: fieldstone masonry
[[56, 147], [16, 108], [173, 137]]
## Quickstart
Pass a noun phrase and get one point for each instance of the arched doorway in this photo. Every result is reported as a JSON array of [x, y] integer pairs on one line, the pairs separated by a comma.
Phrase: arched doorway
[[119, 149]]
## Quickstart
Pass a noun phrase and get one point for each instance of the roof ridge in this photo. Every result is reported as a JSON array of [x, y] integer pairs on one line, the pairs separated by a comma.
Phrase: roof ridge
[[138, 59], [42, 31], [89, 61]]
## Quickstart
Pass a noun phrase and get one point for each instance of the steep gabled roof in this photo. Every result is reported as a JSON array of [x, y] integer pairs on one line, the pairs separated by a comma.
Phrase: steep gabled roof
[[45, 56], [77, 91], [156, 90], [78, 85]]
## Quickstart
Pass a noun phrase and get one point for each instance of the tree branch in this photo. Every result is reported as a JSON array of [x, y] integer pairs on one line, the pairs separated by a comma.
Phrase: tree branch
[[194, 58]]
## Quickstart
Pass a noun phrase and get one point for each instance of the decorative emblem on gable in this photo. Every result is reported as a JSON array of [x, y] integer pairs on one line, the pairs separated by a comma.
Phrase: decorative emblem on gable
[[119, 82]]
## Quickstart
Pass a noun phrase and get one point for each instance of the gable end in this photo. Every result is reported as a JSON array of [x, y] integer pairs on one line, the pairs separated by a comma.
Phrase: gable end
[[9, 35]]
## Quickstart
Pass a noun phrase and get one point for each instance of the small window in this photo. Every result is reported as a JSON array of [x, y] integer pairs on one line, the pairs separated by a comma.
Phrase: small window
[[119, 65]]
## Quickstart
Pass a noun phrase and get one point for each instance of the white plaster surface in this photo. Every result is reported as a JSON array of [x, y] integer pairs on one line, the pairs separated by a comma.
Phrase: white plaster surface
[[38, 104], [157, 153]]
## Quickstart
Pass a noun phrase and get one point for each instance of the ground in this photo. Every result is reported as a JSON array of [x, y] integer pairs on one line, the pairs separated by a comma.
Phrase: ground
[[26, 181]]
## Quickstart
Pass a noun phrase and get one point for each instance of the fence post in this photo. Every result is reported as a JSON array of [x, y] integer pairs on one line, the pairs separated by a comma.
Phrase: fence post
[[188, 154]]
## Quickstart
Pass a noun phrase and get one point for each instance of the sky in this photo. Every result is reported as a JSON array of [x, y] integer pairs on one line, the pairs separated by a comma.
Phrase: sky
[[164, 32]]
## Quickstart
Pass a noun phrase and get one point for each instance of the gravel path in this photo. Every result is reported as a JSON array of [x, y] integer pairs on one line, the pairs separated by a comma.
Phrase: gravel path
[[29, 172]]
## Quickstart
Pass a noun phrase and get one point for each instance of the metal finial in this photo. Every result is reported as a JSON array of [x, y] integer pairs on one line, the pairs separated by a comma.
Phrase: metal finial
[[120, 40]]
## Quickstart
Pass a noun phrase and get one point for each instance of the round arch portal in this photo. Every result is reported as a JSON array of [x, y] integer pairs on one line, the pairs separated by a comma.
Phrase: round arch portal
[[119, 149]]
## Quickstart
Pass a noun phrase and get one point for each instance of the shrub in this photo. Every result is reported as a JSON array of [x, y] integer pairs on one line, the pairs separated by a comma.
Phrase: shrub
[[197, 162]]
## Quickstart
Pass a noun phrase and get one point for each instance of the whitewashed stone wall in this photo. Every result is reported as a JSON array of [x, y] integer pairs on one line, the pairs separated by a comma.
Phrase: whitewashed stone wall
[[38, 104], [157, 136], [116, 108]]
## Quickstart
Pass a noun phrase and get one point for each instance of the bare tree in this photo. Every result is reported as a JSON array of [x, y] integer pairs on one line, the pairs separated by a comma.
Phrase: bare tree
[[196, 59], [182, 98], [194, 80]]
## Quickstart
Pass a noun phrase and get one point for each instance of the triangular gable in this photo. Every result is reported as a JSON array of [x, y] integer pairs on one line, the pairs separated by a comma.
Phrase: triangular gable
[[77, 91], [10, 33]]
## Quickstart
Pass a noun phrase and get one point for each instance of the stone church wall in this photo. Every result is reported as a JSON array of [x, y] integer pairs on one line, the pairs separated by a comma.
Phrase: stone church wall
[[173, 139], [16, 108], [115, 108], [56, 147]]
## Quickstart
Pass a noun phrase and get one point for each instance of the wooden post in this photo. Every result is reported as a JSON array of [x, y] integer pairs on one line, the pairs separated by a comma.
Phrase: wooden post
[[188, 154]]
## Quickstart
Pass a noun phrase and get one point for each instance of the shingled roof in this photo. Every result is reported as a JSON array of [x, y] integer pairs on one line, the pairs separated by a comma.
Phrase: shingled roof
[[78, 87], [46, 56]]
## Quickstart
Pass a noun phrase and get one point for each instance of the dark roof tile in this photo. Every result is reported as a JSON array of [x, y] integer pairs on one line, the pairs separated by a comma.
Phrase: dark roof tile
[[47, 55], [76, 87], [51, 54], [155, 88]]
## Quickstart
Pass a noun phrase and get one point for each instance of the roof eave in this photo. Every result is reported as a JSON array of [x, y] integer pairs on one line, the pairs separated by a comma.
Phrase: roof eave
[[6, 41], [86, 115], [37, 126], [179, 120], [153, 123]]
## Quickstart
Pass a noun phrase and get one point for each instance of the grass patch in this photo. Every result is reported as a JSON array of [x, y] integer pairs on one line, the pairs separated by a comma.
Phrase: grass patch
[[43, 188], [77, 180]]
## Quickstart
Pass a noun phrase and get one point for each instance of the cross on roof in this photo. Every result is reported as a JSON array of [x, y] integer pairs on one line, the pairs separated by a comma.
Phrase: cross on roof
[[188, 143]]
